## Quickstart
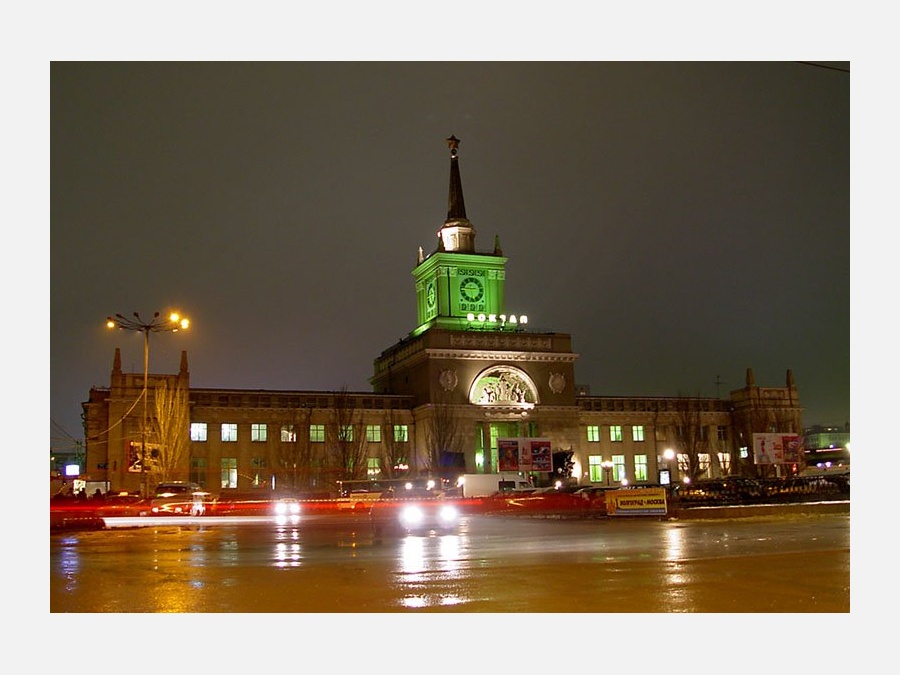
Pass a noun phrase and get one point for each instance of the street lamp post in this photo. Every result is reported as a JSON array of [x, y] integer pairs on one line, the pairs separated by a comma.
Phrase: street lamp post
[[669, 455], [171, 324], [607, 469]]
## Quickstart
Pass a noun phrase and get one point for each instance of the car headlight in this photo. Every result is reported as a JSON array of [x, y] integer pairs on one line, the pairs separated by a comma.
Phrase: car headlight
[[449, 514], [287, 508], [412, 515]]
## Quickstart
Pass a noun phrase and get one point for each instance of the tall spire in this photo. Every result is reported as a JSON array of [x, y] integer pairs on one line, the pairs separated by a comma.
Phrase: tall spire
[[456, 205], [457, 233]]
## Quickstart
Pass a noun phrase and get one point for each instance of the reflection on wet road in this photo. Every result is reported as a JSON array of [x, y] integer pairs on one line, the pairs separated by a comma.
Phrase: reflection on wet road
[[795, 564]]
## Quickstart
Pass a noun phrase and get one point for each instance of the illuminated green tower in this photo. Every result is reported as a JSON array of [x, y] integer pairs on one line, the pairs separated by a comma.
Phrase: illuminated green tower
[[457, 287]]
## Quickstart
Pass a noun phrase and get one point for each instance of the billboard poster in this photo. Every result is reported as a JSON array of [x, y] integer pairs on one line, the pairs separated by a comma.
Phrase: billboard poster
[[508, 450], [776, 448], [524, 454], [134, 456], [541, 455], [793, 449]]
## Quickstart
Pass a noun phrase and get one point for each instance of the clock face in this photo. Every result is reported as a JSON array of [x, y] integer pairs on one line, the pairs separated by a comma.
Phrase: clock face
[[430, 295], [471, 289]]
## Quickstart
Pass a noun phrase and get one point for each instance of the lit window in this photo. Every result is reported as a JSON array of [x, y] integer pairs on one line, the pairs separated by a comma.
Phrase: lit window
[[725, 461], [288, 434], [593, 434], [198, 431], [317, 433], [615, 434], [637, 433], [401, 433], [703, 460], [229, 472], [229, 433], [373, 467], [345, 433], [595, 469], [258, 433], [373, 433], [618, 467], [640, 467]]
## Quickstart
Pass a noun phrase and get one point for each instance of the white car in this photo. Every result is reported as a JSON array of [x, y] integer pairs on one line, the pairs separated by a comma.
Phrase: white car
[[178, 498]]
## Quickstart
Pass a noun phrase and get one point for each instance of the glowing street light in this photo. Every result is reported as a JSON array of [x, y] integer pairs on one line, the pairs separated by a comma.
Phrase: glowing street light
[[669, 455], [607, 469], [171, 324]]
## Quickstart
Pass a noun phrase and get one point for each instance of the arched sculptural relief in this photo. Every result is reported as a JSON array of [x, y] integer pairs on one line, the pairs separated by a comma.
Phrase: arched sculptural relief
[[503, 386]]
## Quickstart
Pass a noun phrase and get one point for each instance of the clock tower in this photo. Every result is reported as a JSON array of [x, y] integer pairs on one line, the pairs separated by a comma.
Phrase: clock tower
[[456, 286]]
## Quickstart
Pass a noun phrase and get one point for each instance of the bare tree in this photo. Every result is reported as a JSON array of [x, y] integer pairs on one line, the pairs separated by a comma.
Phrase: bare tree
[[291, 451], [444, 441], [393, 452], [754, 420], [347, 438], [171, 457], [690, 437]]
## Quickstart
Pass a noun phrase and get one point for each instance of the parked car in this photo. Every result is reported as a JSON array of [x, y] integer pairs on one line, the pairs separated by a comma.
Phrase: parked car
[[122, 504], [720, 491], [178, 498]]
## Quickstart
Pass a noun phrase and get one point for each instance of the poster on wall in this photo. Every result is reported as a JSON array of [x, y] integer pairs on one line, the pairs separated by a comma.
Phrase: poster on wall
[[524, 454], [134, 457], [541, 456], [508, 450], [776, 448], [151, 450]]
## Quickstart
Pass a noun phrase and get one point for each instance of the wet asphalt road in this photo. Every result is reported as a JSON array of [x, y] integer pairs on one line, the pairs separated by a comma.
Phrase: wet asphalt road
[[799, 563]]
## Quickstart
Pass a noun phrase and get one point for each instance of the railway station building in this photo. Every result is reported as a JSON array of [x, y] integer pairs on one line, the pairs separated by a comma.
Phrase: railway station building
[[465, 382]]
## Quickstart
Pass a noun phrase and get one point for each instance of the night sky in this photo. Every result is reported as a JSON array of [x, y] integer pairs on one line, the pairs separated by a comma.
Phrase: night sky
[[682, 221]]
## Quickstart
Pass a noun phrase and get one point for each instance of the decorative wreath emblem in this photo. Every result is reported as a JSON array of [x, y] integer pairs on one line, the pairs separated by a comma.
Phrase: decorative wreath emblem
[[449, 380], [557, 382]]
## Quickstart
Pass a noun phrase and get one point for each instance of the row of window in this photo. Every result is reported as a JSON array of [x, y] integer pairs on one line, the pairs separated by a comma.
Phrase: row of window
[[259, 433], [619, 473], [228, 471], [637, 433]]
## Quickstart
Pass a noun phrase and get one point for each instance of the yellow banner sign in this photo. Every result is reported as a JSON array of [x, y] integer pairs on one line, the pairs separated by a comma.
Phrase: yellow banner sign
[[636, 502]]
